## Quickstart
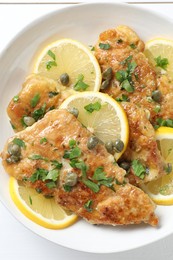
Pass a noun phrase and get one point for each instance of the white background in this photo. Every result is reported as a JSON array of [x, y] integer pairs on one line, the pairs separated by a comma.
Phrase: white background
[[16, 242]]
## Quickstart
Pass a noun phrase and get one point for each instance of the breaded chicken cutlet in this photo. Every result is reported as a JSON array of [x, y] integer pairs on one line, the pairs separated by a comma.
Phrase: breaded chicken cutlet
[[130, 79], [85, 181]]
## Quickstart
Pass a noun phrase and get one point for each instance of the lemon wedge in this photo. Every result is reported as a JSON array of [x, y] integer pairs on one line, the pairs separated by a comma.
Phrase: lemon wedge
[[71, 63], [159, 51], [161, 190], [45, 212], [102, 116]]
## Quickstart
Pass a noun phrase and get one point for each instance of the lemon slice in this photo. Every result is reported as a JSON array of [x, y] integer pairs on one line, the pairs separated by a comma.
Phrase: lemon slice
[[45, 212], [75, 59], [162, 48], [161, 190], [102, 116]]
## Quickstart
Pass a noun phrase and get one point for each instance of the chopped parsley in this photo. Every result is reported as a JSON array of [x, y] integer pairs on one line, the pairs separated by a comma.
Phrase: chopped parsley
[[39, 113], [157, 108], [67, 188], [104, 46], [88, 205], [50, 177], [16, 99], [56, 164], [161, 62], [80, 85], [35, 100], [93, 107], [38, 157], [72, 153], [133, 46], [168, 168], [91, 185], [43, 140], [125, 76], [139, 169], [51, 54], [100, 176], [123, 98], [163, 122], [30, 200], [19, 142], [51, 63]]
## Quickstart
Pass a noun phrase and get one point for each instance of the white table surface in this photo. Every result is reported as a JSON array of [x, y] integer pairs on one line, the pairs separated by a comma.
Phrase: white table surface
[[17, 242]]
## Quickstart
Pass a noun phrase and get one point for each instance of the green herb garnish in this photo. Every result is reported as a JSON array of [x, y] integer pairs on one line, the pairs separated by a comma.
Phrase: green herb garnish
[[16, 99], [139, 169], [67, 188], [35, 100], [93, 107], [133, 46], [43, 140], [51, 63], [92, 185], [38, 157], [51, 54], [104, 46], [52, 175], [161, 62], [88, 205], [19, 142], [30, 200], [56, 164], [80, 85], [39, 113], [127, 86], [123, 98]]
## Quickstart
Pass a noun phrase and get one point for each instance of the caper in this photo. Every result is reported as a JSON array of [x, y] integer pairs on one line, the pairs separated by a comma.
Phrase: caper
[[107, 74], [109, 146], [156, 95], [125, 165], [28, 120], [74, 111], [92, 142], [71, 179], [13, 159], [64, 78], [118, 145], [14, 149], [105, 84]]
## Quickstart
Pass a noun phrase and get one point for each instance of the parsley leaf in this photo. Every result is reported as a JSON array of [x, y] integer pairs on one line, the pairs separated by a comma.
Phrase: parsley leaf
[[51, 54], [80, 85], [43, 140], [16, 99], [39, 174], [52, 175], [88, 205], [161, 62], [38, 157], [139, 169], [104, 46], [19, 142], [92, 185], [35, 100], [73, 153], [123, 98], [50, 64], [51, 184], [93, 107], [127, 86], [39, 113], [67, 188], [133, 46], [56, 164]]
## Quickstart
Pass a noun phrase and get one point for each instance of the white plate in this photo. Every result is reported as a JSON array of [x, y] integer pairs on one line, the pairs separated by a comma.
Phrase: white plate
[[83, 23]]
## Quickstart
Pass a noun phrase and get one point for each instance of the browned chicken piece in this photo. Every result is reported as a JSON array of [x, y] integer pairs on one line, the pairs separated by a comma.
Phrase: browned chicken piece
[[165, 85], [142, 148], [52, 156], [38, 95], [133, 78]]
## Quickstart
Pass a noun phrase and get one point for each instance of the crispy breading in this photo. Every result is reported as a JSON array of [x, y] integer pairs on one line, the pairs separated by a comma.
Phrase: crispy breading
[[142, 144], [125, 53], [34, 85], [119, 204]]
